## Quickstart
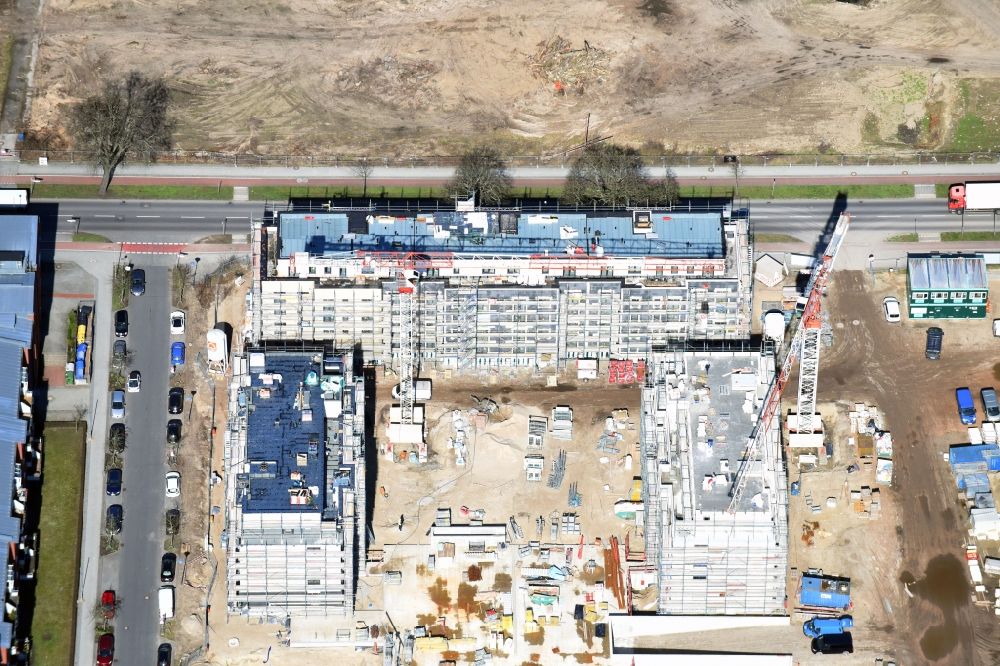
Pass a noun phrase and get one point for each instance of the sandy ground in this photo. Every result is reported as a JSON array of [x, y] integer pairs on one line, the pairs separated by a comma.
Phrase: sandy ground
[[494, 478], [921, 531], [389, 77], [195, 560]]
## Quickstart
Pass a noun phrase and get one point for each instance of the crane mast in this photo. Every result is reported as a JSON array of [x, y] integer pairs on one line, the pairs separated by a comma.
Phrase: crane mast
[[805, 342]]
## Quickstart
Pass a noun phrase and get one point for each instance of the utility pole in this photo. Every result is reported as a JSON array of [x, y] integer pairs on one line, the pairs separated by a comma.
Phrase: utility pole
[[586, 132]]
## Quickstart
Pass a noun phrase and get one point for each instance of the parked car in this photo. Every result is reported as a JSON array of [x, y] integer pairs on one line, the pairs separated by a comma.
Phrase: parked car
[[890, 307], [176, 354], [121, 323], [172, 521], [833, 644], [138, 282], [168, 564], [118, 353], [935, 339], [164, 654], [115, 518], [991, 407], [966, 406], [177, 319], [821, 626], [114, 485], [118, 404], [173, 484], [105, 649], [173, 431], [109, 604], [134, 381], [175, 400]]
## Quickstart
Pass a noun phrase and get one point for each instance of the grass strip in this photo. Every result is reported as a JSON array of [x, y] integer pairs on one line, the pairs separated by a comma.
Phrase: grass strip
[[861, 191], [775, 238], [6, 60], [957, 236], [59, 545], [903, 238], [85, 237], [175, 192]]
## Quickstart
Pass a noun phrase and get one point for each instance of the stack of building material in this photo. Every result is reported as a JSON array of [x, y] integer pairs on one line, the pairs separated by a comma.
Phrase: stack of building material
[[990, 432], [558, 470], [971, 463], [570, 523], [575, 498], [883, 455], [537, 425], [626, 371], [562, 422]]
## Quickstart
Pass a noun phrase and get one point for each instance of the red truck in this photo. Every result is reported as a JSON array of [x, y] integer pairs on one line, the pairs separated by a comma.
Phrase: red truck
[[974, 196]]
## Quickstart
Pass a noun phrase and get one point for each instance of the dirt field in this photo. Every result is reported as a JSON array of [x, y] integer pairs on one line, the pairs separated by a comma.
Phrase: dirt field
[[921, 532], [389, 77], [493, 478]]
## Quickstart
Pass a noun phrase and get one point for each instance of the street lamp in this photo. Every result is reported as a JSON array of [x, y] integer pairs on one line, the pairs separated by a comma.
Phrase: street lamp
[[34, 181], [180, 255], [194, 278]]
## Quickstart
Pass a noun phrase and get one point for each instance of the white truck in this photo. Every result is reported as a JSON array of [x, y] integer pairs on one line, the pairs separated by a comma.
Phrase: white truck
[[166, 599], [974, 196], [218, 351]]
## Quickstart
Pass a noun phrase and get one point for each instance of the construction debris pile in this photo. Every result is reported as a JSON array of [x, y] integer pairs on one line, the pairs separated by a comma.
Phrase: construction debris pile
[[556, 61], [872, 440]]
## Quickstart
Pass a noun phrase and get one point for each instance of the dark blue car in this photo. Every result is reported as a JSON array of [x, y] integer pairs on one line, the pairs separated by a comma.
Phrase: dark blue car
[[114, 486]]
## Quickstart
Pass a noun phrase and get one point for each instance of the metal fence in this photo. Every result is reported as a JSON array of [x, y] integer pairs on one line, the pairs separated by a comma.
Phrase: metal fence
[[557, 160]]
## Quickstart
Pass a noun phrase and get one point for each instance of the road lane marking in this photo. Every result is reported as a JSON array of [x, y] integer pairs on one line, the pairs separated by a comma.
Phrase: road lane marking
[[192, 217], [103, 215], [148, 216]]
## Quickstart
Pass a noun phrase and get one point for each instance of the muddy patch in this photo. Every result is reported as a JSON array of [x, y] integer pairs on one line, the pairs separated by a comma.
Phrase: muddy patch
[[945, 585]]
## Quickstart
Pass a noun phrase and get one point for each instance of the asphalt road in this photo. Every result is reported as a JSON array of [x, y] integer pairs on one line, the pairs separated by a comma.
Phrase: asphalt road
[[145, 466], [191, 220]]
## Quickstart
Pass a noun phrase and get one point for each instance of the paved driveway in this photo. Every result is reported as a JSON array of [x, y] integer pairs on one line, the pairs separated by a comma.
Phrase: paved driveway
[[145, 466]]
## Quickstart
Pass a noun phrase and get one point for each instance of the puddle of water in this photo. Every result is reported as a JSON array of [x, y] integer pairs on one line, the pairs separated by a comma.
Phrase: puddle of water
[[944, 584]]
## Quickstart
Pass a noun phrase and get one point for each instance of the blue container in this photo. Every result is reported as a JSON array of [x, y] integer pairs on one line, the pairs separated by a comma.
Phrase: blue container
[[796, 488]]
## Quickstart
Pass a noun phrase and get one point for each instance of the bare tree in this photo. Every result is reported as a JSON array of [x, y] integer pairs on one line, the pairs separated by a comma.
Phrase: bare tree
[[614, 175], [79, 414], [484, 172], [116, 443], [128, 116], [363, 170]]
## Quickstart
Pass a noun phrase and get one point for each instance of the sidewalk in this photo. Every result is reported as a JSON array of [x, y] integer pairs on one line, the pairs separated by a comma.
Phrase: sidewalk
[[202, 174]]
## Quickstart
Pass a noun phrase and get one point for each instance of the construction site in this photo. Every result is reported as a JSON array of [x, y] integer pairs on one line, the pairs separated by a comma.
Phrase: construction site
[[482, 435]]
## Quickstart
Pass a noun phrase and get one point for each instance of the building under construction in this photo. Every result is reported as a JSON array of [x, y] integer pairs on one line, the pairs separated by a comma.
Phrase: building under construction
[[532, 286], [295, 491], [715, 552]]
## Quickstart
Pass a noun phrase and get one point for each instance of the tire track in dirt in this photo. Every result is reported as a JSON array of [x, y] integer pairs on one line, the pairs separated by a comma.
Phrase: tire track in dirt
[[884, 364]]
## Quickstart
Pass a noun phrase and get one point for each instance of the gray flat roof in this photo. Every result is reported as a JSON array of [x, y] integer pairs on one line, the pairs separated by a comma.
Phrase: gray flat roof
[[726, 426], [964, 272], [672, 234]]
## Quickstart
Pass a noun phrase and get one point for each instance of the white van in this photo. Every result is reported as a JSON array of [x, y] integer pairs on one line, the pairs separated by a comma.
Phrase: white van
[[166, 597]]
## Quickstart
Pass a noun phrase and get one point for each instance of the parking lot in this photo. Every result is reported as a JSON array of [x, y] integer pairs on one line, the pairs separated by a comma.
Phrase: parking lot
[[922, 528]]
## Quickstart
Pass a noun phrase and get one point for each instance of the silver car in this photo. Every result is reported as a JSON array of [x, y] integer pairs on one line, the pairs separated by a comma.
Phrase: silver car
[[990, 404], [118, 404]]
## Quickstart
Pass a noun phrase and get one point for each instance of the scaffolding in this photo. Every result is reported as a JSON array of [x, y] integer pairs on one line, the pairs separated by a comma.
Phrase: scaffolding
[[285, 560], [709, 560]]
